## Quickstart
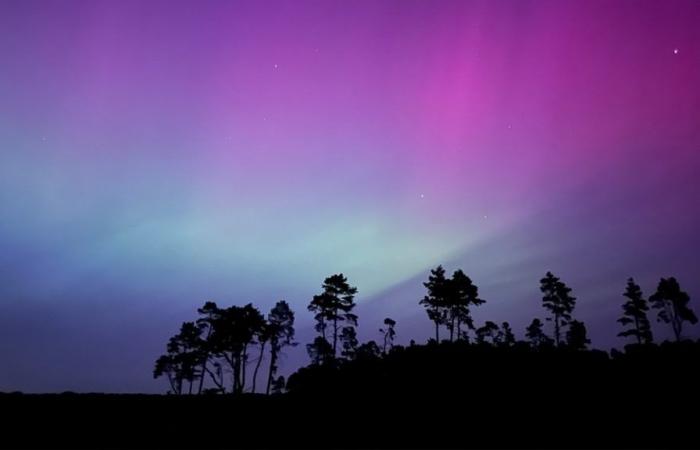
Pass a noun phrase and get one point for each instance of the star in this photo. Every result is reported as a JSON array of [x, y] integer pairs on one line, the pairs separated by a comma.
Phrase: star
[[510, 127], [276, 66], [422, 196], [675, 51]]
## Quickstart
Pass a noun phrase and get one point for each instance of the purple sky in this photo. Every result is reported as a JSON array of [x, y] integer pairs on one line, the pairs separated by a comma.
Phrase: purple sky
[[157, 154]]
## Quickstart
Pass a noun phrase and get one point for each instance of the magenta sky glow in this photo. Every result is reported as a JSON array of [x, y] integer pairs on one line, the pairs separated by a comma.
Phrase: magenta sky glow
[[157, 154]]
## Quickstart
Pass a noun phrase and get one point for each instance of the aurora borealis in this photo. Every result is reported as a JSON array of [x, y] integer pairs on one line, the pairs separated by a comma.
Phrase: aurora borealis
[[157, 154]]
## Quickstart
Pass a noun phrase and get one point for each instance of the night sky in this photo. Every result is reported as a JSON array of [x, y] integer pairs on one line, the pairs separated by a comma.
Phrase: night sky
[[158, 154]]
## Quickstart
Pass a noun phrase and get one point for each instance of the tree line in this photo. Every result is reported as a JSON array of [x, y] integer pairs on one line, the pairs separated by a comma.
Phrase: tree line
[[225, 344], [220, 342]]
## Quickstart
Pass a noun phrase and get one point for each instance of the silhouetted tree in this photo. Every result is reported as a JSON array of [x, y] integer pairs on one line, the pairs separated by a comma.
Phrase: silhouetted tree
[[263, 337], [536, 335], [209, 312], [673, 305], [435, 301], [488, 331], [280, 323], [220, 341], [278, 385], [388, 332], [216, 373], [191, 345], [635, 314], [334, 306], [235, 329], [368, 350], [169, 366], [558, 301], [462, 294], [320, 351], [505, 335], [183, 358], [348, 339], [576, 336], [253, 323]]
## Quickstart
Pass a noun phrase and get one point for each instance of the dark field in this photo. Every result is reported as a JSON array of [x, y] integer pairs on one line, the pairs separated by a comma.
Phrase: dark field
[[447, 397]]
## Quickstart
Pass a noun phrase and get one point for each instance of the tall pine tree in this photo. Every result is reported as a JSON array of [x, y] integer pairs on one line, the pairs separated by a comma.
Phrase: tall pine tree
[[333, 307], [435, 301], [635, 315], [557, 299], [461, 296]]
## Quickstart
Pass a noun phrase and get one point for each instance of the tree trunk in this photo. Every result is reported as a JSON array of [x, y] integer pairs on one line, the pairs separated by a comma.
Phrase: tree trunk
[[244, 365], [335, 336], [218, 383], [201, 377], [677, 326], [237, 374], [639, 332], [204, 364], [273, 369], [437, 332], [257, 366], [556, 329], [172, 383], [675, 323]]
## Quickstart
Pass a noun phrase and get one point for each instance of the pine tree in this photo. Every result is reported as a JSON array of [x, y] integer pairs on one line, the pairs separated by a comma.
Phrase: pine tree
[[435, 301], [280, 322], [333, 307], [534, 332], [462, 294], [349, 342], [388, 332], [576, 336], [506, 336], [488, 331], [635, 314], [557, 299]]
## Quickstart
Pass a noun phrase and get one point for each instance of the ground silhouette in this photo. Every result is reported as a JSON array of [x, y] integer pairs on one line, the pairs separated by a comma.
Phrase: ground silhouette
[[478, 387], [448, 395]]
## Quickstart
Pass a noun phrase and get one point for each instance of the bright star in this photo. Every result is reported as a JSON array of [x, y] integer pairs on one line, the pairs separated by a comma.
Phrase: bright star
[[675, 51]]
